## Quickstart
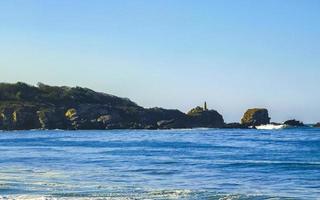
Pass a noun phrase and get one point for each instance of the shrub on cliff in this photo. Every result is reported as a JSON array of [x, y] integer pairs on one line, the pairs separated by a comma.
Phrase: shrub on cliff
[[22, 92]]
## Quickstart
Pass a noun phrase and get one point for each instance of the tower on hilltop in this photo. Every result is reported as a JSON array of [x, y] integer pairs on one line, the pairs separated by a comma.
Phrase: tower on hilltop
[[205, 106]]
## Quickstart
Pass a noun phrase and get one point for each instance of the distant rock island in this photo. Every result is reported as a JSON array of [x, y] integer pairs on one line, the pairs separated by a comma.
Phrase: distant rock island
[[24, 107], [317, 125], [255, 117]]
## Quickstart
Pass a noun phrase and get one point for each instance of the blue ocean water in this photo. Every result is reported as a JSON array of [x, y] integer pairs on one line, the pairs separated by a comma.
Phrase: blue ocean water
[[161, 164]]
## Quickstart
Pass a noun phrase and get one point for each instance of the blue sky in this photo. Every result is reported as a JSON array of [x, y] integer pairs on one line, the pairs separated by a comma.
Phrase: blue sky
[[171, 53]]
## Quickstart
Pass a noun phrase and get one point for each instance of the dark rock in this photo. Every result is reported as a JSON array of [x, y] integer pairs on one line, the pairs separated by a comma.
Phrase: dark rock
[[73, 118], [150, 127], [19, 117], [317, 125], [6, 118], [163, 123], [86, 117], [235, 125], [49, 107], [51, 118], [200, 117], [25, 118], [105, 119], [255, 117], [162, 118], [293, 122]]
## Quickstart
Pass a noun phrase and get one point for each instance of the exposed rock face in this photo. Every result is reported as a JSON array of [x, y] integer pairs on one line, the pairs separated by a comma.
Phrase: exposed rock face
[[255, 117], [51, 118], [163, 119], [6, 118], [200, 117], [92, 116], [293, 122], [235, 125], [25, 118], [317, 125], [19, 117], [47, 107]]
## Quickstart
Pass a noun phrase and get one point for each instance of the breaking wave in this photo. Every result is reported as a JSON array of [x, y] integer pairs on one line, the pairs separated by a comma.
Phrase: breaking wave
[[152, 195], [271, 126]]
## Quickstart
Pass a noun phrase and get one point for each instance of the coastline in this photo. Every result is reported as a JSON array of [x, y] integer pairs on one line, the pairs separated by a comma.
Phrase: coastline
[[25, 107]]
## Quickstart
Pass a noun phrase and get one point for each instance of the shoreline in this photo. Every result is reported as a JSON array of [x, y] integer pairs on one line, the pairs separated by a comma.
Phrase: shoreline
[[308, 126], [25, 107]]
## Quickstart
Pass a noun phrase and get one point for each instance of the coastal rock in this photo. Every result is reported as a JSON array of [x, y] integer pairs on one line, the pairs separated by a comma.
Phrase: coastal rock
[[255, 117], [124, 125], [25, 118], [162, 118], [50, 107], [76, 122], [200, 117], [163, 123], [105, 119], [87, 117], [294, 122], [235, 125], [19, 117], [63, 108], [110, 121], [51, 118], [72, 116], [6, 119], [317, 125]]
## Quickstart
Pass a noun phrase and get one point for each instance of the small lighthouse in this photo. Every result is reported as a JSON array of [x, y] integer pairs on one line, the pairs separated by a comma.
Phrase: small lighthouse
[[205, 106]]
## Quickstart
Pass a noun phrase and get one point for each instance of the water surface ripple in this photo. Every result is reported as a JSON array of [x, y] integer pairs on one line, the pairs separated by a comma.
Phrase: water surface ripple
[[169, 164]]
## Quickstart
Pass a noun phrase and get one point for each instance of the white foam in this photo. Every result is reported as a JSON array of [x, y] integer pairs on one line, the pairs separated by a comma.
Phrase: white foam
[[271, 126]]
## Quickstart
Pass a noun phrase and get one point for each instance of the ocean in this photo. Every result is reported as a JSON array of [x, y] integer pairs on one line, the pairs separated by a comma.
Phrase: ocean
[[197, 164]]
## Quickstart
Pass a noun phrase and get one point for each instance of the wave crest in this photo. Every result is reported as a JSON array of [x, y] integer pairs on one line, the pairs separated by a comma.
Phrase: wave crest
[[271, 126]]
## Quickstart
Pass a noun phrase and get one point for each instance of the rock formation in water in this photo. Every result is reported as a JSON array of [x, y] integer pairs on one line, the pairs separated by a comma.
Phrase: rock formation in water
[[235, 125], [255, 117], [49, 107], [317, 125], [202, 117], [293, 122]]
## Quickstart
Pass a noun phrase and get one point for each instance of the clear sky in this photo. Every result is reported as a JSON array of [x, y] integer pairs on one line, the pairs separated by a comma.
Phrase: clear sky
[[235, 54]]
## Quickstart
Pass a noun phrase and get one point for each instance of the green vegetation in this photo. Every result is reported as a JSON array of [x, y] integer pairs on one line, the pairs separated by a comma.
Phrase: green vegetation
[[196, 111], [23, 106], [45, 94]]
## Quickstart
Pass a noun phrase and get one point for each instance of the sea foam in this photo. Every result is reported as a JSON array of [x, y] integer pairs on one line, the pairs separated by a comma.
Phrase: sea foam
[[271, 126]]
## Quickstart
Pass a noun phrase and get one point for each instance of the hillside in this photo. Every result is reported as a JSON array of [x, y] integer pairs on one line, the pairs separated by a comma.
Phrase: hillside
[[23, 106]]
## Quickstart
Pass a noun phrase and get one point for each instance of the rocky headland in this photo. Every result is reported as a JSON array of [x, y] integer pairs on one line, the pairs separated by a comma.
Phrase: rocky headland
[[24, 107]]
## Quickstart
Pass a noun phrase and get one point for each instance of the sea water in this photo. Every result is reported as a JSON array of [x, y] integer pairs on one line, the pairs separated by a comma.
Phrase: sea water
[[161, 164]]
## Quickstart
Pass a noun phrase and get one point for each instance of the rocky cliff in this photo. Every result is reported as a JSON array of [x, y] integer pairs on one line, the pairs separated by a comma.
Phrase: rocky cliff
[[50, 107]]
